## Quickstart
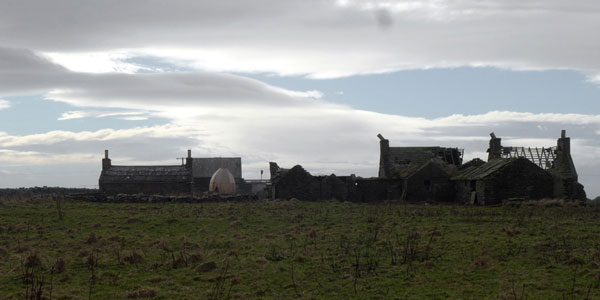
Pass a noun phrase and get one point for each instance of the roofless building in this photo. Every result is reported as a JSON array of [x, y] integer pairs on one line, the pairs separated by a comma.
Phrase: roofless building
[[193, 176]]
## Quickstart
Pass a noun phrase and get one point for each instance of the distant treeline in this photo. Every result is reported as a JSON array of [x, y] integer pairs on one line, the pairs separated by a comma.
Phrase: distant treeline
[[43, 191]]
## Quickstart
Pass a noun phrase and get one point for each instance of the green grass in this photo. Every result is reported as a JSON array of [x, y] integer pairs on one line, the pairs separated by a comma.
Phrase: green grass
[[291, 249]]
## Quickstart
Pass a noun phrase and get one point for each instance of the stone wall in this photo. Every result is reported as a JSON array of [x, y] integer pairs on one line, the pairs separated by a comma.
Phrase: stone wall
[[522, 179], [430, 183], [296, 183], [370, 190], [146, 187]]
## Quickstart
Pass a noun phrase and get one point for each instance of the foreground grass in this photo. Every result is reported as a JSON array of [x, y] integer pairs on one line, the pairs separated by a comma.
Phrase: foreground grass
[[290, 249]]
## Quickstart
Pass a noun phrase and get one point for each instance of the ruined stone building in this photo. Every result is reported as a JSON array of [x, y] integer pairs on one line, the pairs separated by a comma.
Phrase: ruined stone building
[[438, 174], [424, 172], [194, 176], [300, 184], [398, 161], [556, 161], [501, 179]]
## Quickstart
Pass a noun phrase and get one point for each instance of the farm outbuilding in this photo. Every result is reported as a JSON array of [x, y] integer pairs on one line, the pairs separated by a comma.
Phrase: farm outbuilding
[[147, 179], [556, 160], [192, 177], [143, 179], [501, 179]]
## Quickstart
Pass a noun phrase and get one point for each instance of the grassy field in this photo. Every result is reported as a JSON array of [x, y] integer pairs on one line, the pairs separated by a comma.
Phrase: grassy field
[[291, 249]]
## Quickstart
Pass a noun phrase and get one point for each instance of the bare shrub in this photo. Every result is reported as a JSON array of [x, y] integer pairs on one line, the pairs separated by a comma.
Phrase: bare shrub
[[552, 202], [511, 231], [483, 261], [114, 238], [195, 258], [91, 238], [91, 261], [33, 260], [134, 258], [142, 293], [206, 267], [300, 258], [3, 252], [132, 220], [60, 266]]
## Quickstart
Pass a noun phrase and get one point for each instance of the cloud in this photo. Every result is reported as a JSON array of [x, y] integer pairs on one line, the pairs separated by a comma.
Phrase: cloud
[[24, 72], [4, 104], [96, 62], [124, 115], [507, 116], [57, 136], [318, 39]]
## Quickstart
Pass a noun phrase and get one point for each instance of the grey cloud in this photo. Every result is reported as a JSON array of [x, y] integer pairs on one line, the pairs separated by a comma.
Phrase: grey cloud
[[321, 39], [384, 19], [23, 72]]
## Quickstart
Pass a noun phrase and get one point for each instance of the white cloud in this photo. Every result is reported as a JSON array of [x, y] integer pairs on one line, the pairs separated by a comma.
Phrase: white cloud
[[95, 62], [56, 136], [134, 118], [4, 104], [507, 116], [124, 115]]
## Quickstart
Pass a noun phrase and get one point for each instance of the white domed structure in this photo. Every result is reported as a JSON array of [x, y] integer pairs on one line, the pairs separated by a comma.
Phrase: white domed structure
[[222, 181]]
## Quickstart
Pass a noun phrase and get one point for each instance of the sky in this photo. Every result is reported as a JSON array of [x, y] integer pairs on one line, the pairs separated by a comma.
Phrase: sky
[[296, 82]]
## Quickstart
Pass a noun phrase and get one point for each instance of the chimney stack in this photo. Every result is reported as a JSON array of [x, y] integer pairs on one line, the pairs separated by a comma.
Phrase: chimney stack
[[106, 164], [384, 156], [563, 145], [188, 160], [495, 149]]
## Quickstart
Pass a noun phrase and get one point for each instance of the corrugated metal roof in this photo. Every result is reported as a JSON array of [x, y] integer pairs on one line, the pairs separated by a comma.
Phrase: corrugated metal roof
[[146, 173], [480, 172]]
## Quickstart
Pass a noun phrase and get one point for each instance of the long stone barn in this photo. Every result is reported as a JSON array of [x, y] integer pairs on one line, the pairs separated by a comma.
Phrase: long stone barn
[[192, 177]]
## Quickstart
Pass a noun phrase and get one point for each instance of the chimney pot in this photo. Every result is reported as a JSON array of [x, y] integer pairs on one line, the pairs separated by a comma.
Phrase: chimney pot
[[106, 154], [563, 133]]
